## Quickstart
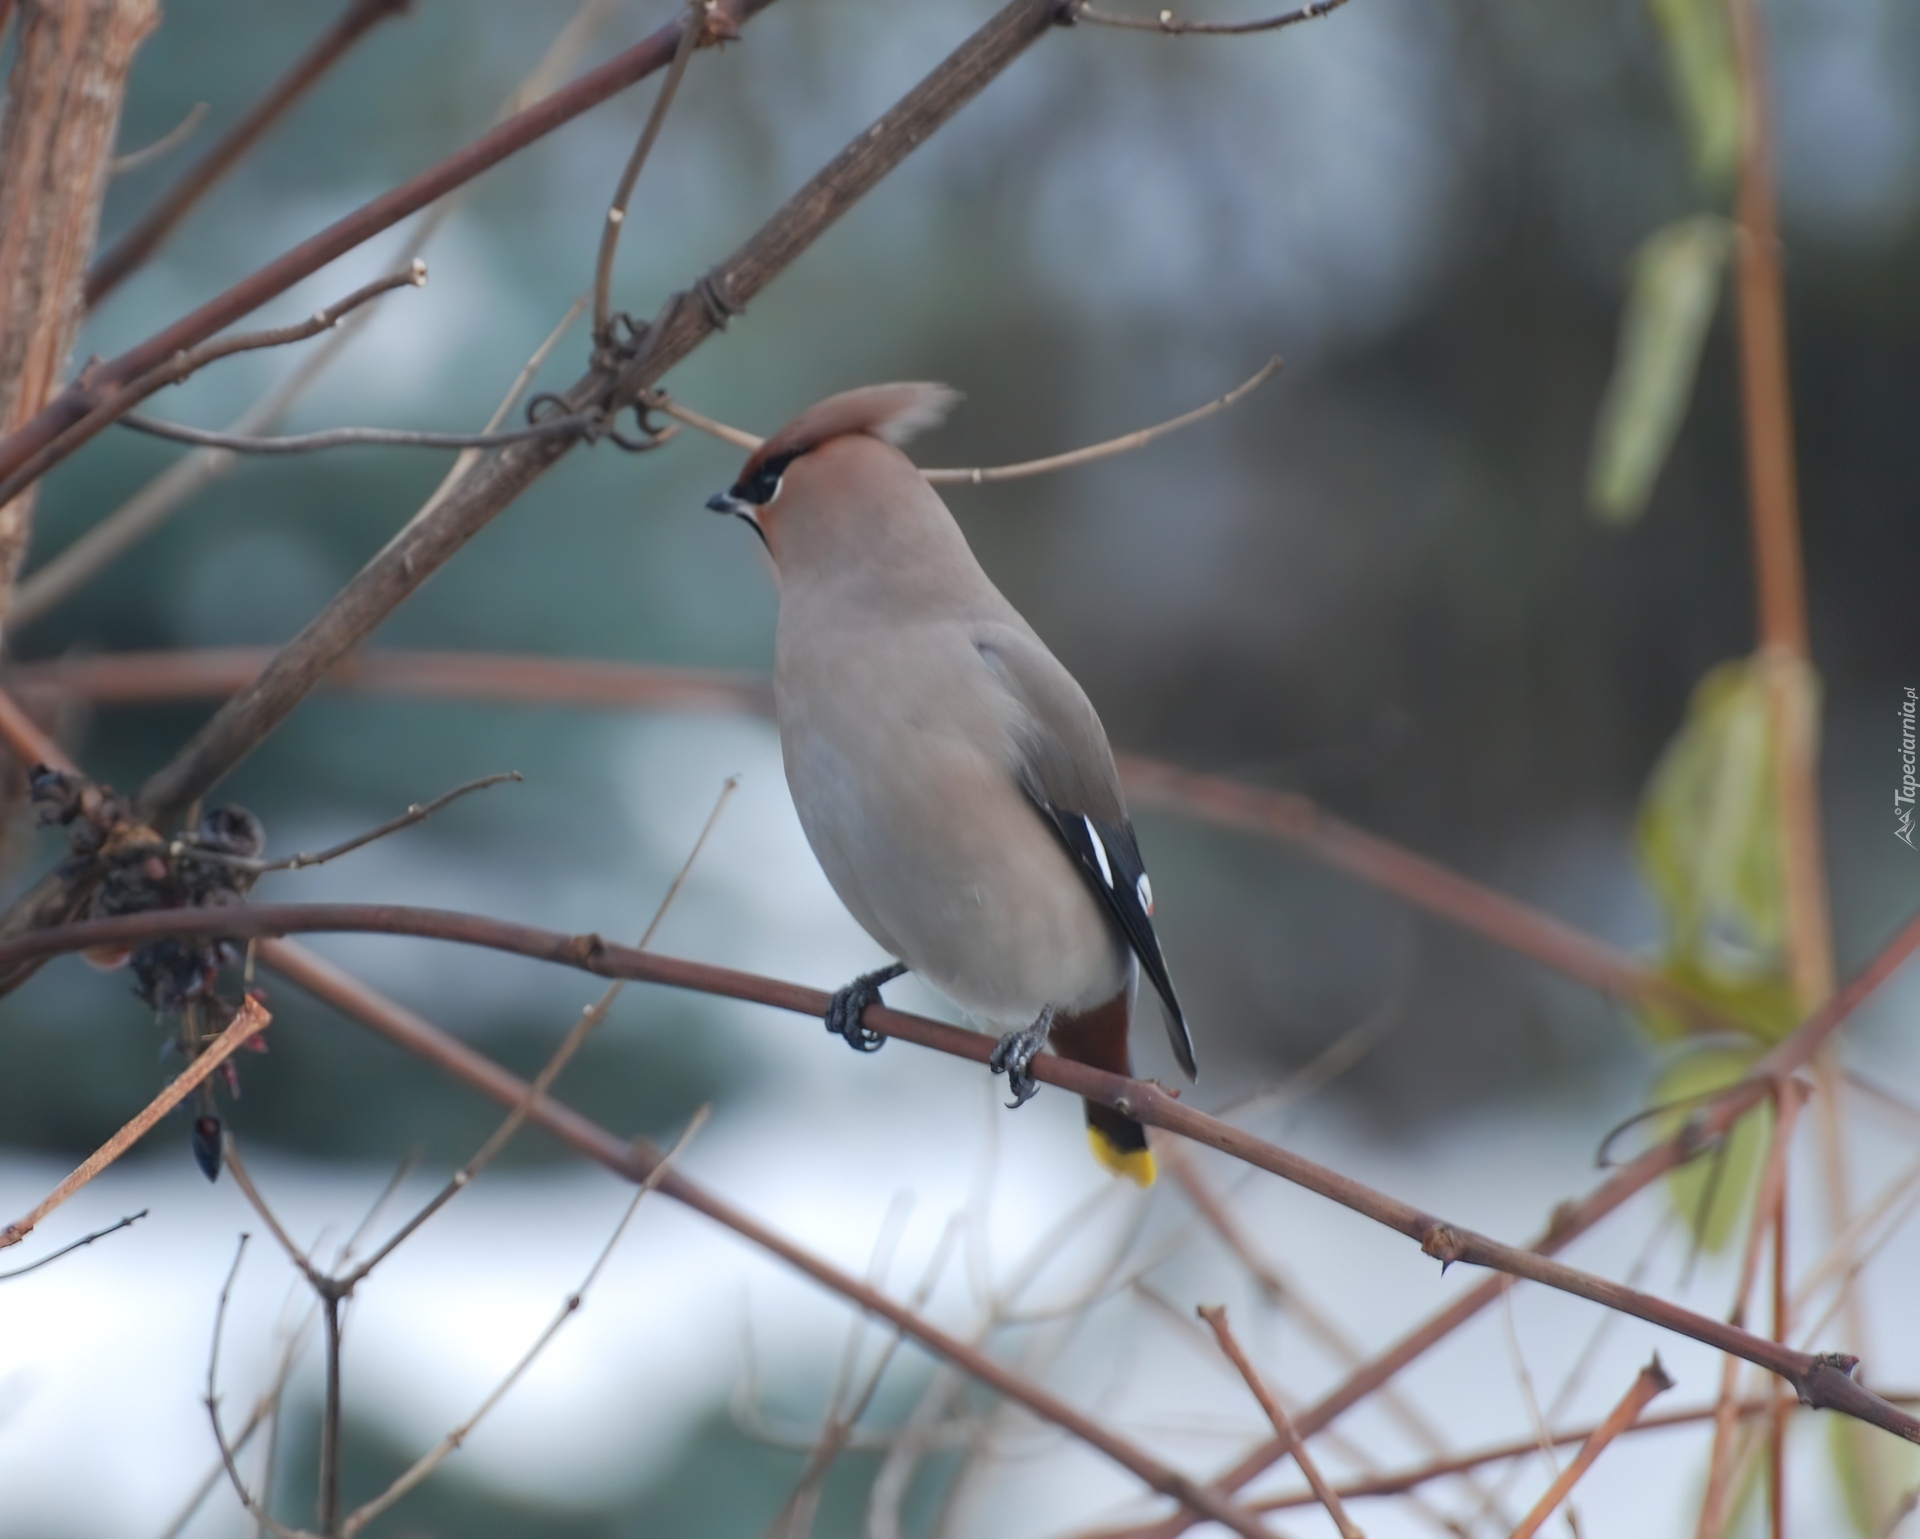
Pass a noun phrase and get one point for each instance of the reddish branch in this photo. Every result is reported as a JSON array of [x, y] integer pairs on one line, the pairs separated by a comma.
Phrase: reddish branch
[[1652, 1381], [432, 538], [1570, 1220], [157, 224], [147, 677], [1821, 1380], [343, 235], [637, 1160]]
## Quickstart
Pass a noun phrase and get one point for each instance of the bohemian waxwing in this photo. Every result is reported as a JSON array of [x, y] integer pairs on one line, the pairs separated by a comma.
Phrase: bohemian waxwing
[[950, 774]]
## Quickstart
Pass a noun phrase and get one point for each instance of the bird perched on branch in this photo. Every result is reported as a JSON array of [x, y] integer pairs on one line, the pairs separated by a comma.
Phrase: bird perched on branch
[[950, 774]]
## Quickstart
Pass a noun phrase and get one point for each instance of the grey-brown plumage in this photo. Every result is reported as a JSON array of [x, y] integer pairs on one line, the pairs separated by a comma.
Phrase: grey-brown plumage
[[951, 775]]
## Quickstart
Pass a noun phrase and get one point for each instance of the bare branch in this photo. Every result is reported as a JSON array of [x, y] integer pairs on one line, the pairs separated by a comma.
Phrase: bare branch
[[981, 475], [274, 279], [428, 1462], [248, 1022], [145, 677], [1166, 22], [1823, 1380], [243, 1178], [590, 1019], [635, 1160], [109, 404], [687, 320], [692, 26], [1400, 1482], [228, 1451], [1216, 1318], [166, 144], [85, 1239], [1652, 1381], [163, 496], [145, 237], [572, 425], [417, 813]]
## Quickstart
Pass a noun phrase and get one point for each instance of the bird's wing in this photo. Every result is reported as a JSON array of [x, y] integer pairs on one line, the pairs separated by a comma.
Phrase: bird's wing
[[1066, 770]]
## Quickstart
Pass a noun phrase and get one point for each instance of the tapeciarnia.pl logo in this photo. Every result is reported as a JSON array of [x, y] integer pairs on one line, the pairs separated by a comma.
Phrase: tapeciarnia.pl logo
[[1903, 798]]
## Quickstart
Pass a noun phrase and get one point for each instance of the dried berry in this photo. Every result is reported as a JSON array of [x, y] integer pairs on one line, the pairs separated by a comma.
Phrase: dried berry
[[206, 1146]]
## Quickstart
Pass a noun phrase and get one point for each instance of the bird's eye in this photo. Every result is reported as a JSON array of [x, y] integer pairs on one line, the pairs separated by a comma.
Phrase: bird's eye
[[763, 485]]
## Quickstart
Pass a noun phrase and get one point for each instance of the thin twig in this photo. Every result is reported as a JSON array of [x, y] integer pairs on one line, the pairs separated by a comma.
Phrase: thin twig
[[573, 424], [85, 1239], [1173, 26], [636, 1159], [243, 1178], [144, 238], [468, 458], [108, 403], [1283, 1293], [1823, 1380], [1714, 1502], [692, 25], [146, 677], [166, 144], [684, 322], [157, 501], [1652, 1381], [417, 813], [229, 1451], [981, 475], [248, 1022], [428, 1462], [1216, 1317], [353, 229], [590, 1019]]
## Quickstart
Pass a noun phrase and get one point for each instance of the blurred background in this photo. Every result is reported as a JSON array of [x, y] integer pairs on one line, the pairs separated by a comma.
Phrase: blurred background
[[1376, 581]]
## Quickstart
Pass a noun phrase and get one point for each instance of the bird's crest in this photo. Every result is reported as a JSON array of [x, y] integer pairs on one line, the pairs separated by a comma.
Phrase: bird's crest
[[893, 413]]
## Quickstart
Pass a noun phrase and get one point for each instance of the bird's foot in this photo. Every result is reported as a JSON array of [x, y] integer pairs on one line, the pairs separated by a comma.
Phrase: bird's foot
[[1014, 1052], [849, 1004]]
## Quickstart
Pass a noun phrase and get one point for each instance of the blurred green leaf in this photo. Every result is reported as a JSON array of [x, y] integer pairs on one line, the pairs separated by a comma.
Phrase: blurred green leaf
[[1706, 82], [1874, 1470], [1708, 844], [1765, 1002], [1670, 303], [1712, 1192]]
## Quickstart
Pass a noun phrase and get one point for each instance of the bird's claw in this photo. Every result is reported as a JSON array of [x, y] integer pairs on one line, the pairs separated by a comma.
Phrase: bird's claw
[[1013, 1055], [850, 1003]]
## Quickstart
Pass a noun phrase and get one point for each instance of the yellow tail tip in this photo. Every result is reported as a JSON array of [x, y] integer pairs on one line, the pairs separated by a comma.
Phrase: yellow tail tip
[[1135, 1164]]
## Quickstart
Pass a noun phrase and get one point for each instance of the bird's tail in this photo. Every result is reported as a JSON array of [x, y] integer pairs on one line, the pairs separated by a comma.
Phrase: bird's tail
[[1099, 1038]]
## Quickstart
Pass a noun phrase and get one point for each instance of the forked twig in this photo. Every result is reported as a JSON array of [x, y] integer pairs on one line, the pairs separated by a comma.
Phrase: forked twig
[[1652, 1381], [1216, 1317], [107, 408], [248, 1022], [692, 26], [428, 1462], [634, 1160]]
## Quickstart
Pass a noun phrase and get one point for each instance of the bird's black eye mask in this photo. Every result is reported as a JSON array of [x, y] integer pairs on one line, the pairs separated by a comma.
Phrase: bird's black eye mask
[[763, 485], [754, 491]]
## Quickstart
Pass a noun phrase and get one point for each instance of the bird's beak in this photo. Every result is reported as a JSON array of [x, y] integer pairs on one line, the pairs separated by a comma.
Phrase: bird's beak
[[740, 508]]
